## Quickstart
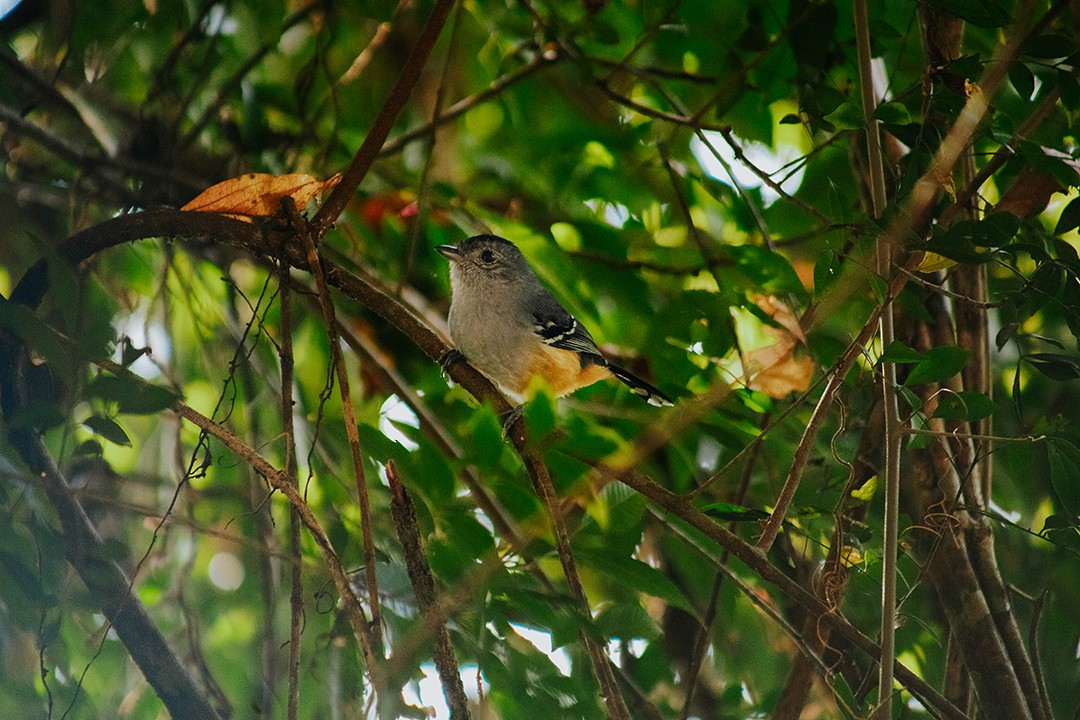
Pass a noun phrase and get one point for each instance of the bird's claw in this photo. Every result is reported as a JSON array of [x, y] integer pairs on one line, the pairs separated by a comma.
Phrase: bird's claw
[[508, 420], [447, 359]]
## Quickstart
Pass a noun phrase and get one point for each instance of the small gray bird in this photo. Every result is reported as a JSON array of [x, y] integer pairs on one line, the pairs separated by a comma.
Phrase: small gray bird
[[510, 328]]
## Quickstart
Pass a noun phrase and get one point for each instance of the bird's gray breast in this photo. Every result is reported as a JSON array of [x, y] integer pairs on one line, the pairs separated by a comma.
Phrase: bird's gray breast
[[493, 334]]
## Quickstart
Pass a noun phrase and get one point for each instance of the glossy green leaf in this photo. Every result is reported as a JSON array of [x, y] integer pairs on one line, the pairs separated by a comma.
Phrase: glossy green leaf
[[108, 429], [940, 363], [1055, 365], [964, 406]]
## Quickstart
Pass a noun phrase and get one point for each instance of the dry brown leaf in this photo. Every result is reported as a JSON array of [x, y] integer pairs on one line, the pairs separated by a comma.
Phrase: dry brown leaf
[[259, 194], [775, 369], [1031, 190]]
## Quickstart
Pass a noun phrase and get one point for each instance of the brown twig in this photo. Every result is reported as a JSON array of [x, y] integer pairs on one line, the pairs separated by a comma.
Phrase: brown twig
[[890, 406], [303, 232], [384, 122], [296, 590], [427, 597], [462, 106], [280, 481], [541, 481]]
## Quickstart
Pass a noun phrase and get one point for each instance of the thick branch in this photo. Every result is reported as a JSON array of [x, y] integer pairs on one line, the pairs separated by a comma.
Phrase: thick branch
[[109, 586]]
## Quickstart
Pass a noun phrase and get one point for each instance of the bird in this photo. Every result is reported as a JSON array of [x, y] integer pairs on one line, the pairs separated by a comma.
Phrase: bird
[[508, 326]]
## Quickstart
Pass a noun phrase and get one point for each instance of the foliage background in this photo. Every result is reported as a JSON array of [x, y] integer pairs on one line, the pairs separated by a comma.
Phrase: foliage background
[[595, 135]]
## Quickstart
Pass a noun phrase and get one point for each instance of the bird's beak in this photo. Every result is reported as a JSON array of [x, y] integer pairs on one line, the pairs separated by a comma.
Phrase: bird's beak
[[449, 252]]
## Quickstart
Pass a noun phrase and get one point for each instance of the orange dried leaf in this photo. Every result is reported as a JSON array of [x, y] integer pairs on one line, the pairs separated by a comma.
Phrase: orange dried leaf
[[259, 194], [778, 369]]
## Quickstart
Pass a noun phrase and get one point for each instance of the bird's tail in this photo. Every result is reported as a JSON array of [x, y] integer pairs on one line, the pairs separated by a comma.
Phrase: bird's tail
[[640, 387]]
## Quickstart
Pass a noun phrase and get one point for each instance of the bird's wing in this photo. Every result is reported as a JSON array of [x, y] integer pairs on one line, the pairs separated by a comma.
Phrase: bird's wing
[[560, 329]]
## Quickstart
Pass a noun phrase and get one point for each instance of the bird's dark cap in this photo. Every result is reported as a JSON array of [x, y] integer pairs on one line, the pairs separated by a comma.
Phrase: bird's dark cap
[[452, 252]]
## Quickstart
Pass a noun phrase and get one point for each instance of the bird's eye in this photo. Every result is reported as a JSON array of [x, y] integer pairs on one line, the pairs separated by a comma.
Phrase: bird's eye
[[487, 256]]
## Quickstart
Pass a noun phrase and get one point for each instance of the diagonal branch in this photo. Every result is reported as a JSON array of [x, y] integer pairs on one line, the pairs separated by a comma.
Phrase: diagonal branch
[[404, 513], [384, 122]]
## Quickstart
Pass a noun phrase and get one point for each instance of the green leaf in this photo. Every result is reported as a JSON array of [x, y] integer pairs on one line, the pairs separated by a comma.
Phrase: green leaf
[[149, 400], [1049, 47], [893, 113], [866, 492], [1059, 522], [993, 231], [826, 271], [1055, 365], [985, 13], [769, 270], [898, 352], [540, 415], [1069, 89], [964, 406], [131, 396], [940, 363], [1006, 333], [627, 621], [38, 335], [1069, 218], [107, 429], [636, 575], [1064, 461], [1023, 80], [129, 353], [603, 32], [847, 117]]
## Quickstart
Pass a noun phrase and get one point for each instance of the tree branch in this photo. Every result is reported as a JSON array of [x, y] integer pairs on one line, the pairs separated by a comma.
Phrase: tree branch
[[384, 122], [108, 585], [427, 597]]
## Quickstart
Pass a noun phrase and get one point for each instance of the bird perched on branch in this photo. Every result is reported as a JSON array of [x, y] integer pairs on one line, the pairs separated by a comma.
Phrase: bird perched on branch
[[510, 328]]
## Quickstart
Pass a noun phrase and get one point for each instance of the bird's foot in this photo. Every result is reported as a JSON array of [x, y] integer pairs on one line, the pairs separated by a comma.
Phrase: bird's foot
[[510, 418], [447, 359]]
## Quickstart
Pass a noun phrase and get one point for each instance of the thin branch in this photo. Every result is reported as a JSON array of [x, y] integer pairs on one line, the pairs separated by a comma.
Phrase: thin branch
[[384, 122], [691, 121], [427, 597], [462, 106], [541, 481], [729, 138], [303, 232], [296, 590], [890, 404], [1037, 606]]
